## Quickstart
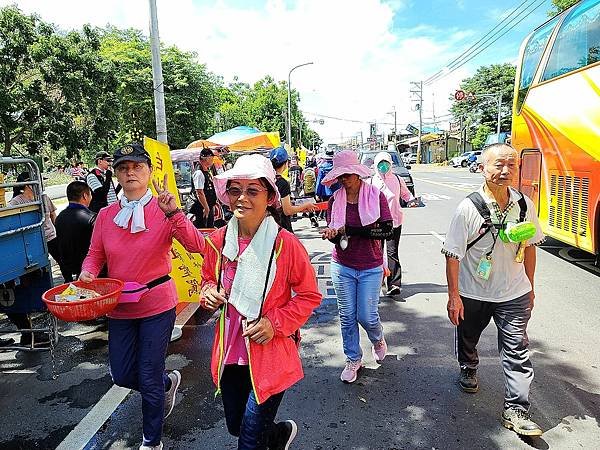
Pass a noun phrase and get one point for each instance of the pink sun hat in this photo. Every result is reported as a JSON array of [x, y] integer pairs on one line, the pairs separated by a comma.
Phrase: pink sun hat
[[247, 167], [346, 162]]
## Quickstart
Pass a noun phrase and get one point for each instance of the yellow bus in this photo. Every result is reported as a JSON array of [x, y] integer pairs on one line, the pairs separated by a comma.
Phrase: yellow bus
[[556, 124]]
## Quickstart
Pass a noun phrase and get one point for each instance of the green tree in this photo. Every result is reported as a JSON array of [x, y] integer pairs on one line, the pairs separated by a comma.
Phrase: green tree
[[493, 79], [480, 136], [191, 92], [560, 5], [56, 89]]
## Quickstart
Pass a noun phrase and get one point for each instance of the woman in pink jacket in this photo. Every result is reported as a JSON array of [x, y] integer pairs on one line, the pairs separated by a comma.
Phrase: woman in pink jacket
[[133, 238], [251, 267]]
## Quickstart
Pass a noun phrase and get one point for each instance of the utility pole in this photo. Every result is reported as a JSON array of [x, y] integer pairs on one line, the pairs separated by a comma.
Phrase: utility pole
[[417, 91], [499, 114], [157, 77]]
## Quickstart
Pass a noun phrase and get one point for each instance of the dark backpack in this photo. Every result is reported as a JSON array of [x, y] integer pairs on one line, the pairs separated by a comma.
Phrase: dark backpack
[[484, 212]]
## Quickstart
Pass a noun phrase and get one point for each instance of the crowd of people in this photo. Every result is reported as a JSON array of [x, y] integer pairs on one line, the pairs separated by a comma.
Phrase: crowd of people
[[258, 274]]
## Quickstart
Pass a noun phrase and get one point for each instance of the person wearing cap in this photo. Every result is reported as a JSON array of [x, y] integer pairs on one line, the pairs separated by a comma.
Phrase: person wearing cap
[[133, 237], [394, 188], [358, 219], [251, 267], [22, 195], [204, 191], [100, 182], [279, 160]]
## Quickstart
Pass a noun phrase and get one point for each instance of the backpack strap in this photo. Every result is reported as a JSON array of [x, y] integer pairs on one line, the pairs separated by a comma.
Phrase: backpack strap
[[522, 208], [484, 212]]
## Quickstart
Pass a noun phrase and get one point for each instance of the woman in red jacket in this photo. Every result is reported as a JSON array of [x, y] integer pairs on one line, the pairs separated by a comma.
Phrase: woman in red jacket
[[250, 269]]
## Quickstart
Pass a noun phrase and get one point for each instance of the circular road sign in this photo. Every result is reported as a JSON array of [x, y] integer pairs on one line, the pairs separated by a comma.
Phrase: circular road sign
[[459, 95]]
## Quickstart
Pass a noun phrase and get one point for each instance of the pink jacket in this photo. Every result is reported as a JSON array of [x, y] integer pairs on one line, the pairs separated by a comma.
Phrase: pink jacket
[[274, 366], [141, 257]]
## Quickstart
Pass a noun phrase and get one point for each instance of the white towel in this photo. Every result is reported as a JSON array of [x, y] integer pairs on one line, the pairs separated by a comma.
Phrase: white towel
[[133, 211], [249, 281]]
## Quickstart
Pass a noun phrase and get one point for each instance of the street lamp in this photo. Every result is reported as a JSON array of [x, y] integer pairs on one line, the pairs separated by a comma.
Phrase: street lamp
[[289, 122]]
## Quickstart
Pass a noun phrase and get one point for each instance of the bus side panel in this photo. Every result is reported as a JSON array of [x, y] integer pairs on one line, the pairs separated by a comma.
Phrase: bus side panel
[[561, 118]]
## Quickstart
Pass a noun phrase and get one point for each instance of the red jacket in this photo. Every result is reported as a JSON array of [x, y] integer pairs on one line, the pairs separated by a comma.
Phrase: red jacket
[[274, 366]]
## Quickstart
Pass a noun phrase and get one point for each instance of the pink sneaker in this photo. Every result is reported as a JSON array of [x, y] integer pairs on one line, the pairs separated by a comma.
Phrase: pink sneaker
[[350, 372], [379, 350]]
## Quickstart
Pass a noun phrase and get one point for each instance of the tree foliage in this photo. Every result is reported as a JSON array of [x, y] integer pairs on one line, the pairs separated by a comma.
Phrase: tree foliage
[[560, 5], [78, 92], [483, 111]]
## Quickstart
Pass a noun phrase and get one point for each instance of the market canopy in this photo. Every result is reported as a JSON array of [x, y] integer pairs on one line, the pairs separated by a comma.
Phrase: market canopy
[[240, 139]]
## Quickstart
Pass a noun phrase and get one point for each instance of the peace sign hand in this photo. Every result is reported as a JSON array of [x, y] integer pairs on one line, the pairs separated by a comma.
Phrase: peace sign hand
[[166, 200]]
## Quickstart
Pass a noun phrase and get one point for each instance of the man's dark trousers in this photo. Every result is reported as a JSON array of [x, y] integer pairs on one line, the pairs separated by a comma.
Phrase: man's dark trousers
[[393, 259], [511, 318]]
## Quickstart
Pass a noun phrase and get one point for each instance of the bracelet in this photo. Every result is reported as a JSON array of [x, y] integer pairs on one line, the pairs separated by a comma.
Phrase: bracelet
[[170, 214]]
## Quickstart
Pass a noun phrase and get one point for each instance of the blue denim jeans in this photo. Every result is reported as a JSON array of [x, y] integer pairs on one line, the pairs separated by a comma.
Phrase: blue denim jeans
[[253, 423], [358, 303], [136, 350]]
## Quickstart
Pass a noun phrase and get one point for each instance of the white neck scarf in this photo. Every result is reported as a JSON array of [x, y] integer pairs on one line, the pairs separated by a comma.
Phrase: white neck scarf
[[249, 281], [134, 211]]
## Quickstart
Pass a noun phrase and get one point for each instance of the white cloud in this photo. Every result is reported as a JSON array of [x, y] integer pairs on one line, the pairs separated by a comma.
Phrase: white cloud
[[362, 69]]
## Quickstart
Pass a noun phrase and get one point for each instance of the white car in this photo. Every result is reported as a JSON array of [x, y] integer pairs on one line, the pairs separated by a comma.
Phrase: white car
[[463, 160]]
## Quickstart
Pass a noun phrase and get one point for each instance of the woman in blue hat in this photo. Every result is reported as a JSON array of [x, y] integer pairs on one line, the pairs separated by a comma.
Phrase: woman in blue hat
[[279, 159]]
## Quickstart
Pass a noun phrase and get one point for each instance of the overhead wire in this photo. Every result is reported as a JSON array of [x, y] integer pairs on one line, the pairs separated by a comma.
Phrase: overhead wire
[[474, 51], [441, 71]]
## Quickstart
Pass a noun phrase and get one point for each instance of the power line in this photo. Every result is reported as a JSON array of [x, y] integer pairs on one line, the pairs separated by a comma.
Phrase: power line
[[476, 43], [341, 119], [477, 48]]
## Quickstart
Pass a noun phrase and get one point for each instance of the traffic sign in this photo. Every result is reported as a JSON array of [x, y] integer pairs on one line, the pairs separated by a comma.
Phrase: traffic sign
[[459, 95], [412, 129]]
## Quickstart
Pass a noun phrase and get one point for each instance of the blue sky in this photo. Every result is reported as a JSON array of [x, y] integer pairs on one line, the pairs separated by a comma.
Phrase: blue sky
[[365, 52]]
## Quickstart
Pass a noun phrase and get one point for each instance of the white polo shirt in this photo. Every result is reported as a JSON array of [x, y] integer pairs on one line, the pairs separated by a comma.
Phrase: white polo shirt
[[507, 279]]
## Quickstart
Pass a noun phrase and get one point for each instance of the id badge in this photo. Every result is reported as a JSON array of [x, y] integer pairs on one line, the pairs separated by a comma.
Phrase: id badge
[[484, 269]]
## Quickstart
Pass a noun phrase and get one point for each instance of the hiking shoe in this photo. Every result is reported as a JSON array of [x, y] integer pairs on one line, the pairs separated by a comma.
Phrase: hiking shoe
[[151, 447], [379, 350], [520, 422], [287, 433], [350, 372], [175, 378], [394, 290], [468, 380]]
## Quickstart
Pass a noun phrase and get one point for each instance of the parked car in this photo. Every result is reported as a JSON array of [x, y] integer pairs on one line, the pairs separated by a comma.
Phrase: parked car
[[463, 160], [368, 158]]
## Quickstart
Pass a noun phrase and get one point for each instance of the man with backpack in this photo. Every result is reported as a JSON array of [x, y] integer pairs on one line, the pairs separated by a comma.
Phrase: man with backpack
[[490, 267], [323, 192]]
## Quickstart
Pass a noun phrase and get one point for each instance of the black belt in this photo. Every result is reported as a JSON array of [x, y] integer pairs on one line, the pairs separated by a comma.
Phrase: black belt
[[150, 284]]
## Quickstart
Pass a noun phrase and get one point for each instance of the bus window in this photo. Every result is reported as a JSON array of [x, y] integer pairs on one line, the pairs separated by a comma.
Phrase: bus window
[[577, 43], [531, 59]]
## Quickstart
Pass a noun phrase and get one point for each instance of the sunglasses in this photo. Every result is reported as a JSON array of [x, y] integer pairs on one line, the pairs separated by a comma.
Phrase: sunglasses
[[250, 192]]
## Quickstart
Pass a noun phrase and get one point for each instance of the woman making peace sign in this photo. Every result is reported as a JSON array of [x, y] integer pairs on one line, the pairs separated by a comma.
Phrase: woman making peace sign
[[133, 238]]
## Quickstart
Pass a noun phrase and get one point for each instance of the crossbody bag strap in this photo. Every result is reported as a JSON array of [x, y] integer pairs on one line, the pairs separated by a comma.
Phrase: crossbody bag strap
[[221, 262], [264, 294]]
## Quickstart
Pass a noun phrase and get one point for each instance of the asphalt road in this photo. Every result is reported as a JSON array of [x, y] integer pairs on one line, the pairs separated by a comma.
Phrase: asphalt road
[[410, 401]]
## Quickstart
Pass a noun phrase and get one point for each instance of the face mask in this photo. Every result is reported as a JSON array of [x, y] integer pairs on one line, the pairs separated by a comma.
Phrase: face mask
[[384, 167]]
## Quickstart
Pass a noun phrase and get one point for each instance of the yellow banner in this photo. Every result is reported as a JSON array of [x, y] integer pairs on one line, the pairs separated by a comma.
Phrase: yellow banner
[[186, 270]]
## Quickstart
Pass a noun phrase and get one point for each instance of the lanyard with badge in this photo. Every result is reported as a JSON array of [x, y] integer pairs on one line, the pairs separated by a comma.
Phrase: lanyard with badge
[[484, 268]]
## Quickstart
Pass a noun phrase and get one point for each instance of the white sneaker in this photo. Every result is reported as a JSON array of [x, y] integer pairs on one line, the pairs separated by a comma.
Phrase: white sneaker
[[152, 447], [350, 372], [175, 378]]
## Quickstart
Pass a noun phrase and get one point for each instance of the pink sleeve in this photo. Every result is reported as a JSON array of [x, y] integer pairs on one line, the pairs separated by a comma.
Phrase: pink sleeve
[[289, 318], [186, 233], [96, 258], [404, 192]]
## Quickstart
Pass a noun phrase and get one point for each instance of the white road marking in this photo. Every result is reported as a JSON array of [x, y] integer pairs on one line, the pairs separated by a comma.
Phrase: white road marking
[[445, 184], [85, 430], [434, 197], [437, 236]]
